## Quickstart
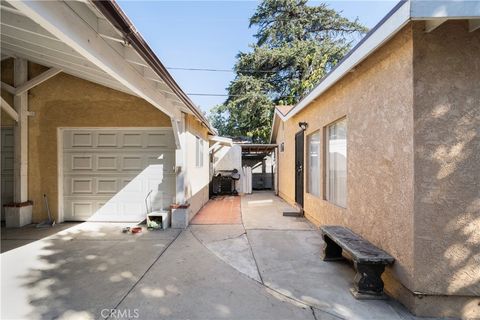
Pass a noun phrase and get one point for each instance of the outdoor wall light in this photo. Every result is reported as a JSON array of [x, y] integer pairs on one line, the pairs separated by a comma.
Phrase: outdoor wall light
[[303, 125]]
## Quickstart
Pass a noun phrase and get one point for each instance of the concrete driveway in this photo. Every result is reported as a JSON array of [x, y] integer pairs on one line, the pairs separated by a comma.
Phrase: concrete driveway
[[266, 267]]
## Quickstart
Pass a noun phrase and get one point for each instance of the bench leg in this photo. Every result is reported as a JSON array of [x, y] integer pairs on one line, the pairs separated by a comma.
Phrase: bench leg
[[368, 283], [331, 250]]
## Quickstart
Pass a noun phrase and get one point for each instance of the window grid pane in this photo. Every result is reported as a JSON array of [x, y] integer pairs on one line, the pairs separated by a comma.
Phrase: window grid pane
[[313, 169], [337, 163], [198, 152], [201, 153]]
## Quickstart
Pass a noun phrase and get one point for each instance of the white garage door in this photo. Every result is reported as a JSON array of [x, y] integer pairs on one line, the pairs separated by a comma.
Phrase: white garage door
[[107, 173]]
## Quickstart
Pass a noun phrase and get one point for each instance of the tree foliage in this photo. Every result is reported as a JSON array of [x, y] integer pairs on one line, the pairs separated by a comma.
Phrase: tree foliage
[[297, 45]]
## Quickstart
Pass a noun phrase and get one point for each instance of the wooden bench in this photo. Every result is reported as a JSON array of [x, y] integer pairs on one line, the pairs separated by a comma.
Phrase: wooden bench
[[369, 261]]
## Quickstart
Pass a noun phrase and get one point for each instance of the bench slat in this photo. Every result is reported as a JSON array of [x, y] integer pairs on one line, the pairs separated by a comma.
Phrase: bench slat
[[360, 249]]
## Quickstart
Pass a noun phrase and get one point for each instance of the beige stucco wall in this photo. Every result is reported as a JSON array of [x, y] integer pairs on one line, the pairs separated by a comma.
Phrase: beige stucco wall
[[66, 101], [447, 163], [198, 178], [413, 116], [378, 108]]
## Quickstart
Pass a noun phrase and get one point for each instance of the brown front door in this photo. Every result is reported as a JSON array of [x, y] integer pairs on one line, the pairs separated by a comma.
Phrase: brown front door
[[299, 159]]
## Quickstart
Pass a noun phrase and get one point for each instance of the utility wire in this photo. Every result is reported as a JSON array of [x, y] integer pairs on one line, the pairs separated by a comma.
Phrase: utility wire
[[217, 95], [220, 70], [209, 94]]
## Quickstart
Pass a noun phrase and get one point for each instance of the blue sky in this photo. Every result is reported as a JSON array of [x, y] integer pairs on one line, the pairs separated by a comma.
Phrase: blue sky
[[209, 34]]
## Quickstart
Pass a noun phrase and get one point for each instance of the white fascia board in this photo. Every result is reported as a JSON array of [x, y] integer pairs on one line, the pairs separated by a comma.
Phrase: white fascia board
[[444, 9], [396, 21], [277, 117], [62, 22]]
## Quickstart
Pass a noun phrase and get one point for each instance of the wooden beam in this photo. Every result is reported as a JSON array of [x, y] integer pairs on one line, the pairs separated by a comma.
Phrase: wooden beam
[[75, 71], [9, 110], [5, 56], [37, 80], [216, 144], [132, 56], [431, 25], [473, 24], [20, 103], [62, 22], [8, 88], [105, 31]]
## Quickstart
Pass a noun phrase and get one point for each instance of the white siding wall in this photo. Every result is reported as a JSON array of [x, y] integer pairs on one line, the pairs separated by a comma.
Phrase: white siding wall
[[197, 178]]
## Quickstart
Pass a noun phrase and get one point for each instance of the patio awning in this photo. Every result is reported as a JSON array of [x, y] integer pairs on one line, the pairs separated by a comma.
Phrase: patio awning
[[256, 150]]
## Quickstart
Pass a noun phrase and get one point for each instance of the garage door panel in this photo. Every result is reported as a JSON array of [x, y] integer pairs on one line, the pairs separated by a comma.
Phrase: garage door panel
[[81, 139], [82, 186], [81, 162], [78, 162], [157, 140], [165, 158], [81, 210], [106, 140], [106, 162], [132, 163], [106, 185], [132, 140], [109, 172]]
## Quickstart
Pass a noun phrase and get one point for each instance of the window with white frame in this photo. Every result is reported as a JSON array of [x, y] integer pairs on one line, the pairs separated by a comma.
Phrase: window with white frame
[[313, 161], [199, 152], [336, 163]]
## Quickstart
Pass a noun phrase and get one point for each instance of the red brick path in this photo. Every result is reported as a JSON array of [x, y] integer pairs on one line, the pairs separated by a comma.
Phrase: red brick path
[[220, 210]]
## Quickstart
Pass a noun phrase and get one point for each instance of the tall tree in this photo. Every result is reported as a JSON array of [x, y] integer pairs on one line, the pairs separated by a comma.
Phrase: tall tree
[[297, 45]]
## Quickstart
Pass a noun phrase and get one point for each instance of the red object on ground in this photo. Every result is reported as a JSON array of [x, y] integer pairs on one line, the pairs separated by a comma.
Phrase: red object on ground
[[136, 229], [220, 210]]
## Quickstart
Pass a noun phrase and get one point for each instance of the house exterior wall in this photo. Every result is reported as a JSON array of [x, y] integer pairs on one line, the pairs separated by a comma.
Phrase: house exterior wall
[[378, 109], [198, 178], [447, 168], [67, 101], [413, 163], [229, 158]]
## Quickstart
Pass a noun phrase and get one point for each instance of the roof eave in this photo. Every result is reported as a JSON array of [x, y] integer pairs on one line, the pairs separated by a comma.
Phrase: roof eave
[[394, 21], [112, 11]]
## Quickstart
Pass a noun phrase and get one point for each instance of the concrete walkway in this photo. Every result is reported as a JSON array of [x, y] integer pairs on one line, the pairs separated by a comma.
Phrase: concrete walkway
[[283, 254], [267, 267]]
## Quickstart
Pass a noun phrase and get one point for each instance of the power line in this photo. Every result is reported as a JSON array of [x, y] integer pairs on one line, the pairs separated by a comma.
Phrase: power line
[[209, 94], [220, 70], [217, 95], [201, 69]]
